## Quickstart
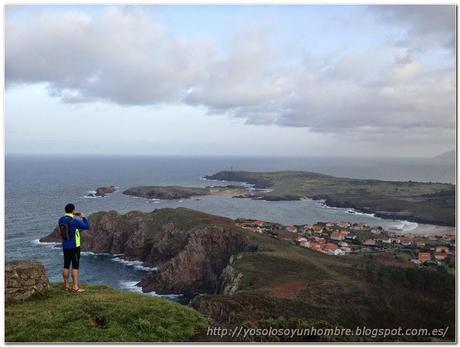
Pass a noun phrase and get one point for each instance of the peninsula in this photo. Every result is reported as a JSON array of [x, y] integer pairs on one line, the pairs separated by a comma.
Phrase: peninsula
[[432, 203]]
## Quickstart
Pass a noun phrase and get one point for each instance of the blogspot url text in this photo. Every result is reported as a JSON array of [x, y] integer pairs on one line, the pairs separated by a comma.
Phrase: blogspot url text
[[244, 332]]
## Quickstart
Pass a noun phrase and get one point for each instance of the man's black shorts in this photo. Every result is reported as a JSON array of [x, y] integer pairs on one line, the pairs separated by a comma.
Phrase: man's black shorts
[[72, 255]]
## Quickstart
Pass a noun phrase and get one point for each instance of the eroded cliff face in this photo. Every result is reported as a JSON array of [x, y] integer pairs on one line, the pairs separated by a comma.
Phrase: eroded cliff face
[[191, 249], [198, 266]]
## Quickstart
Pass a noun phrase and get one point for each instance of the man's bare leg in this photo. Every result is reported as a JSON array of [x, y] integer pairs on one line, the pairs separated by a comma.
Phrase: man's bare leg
[[75, 279], [65, 275], [76, 283]]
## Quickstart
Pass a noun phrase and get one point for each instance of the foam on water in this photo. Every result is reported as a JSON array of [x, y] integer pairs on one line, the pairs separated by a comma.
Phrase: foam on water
[[357, 213], [132, 287], [134, 263], [406, 226], [47, 244]]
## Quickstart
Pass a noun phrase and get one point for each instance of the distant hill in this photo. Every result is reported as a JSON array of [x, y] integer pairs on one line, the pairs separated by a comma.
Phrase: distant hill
[[446, 156]]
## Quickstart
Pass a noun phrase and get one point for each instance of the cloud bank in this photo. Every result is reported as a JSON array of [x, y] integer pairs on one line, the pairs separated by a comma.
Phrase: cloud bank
[[401, 81]]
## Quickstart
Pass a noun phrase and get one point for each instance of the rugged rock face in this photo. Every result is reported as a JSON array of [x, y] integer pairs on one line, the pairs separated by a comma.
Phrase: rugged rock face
[[199, 265], [230, 278], [23, 278], [190, 248]]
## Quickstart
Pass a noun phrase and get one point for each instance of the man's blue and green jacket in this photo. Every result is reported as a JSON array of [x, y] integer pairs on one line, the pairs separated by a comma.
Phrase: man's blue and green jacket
[[75, 225]]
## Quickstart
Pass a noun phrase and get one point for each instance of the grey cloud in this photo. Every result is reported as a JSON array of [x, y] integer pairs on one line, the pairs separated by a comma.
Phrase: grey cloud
[[126, 58], [426, 25], [120, 56]]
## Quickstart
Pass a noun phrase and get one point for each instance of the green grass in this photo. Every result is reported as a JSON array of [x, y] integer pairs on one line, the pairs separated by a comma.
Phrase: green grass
[[100, 314]]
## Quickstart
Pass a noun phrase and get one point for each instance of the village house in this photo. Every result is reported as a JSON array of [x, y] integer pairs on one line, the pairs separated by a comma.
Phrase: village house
[[440, 255], [337, 235], [342, 224], [259, 223], [420, 244], [315, 246], [448, 237], [442, 249], [404, 241], [424, 257], [292, 229], [300, 239], [339, 251], [386, 239], [317, 228], [305, 243], [320, 240], [306, 229], [369, 242]]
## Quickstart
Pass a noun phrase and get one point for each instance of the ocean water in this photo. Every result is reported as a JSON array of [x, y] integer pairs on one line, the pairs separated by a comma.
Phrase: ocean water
[[37, 189]]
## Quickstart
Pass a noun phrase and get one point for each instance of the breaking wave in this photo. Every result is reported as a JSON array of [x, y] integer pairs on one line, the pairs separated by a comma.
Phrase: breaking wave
[[132, 287], [137, 264]]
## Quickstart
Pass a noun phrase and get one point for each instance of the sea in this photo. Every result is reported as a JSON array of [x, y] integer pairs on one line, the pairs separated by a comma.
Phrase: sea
[[38, 187]]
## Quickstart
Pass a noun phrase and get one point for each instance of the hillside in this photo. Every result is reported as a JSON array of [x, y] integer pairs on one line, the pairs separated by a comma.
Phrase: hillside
[[448, 156], [255, 280], [432, 203], [101, 314]]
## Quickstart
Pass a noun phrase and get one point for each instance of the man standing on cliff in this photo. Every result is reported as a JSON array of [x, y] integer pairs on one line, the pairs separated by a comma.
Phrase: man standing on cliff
[[70, 225]]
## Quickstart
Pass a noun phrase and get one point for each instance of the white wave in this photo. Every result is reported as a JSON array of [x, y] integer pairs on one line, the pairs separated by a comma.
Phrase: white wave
[[95, 253], [131, 286], [48, 244], [181, 201], [134, 263], [89, 197], [405, 226], [357, 213]]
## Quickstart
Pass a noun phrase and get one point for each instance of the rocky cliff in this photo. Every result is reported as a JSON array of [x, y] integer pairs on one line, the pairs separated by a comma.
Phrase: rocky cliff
[[190, 248]]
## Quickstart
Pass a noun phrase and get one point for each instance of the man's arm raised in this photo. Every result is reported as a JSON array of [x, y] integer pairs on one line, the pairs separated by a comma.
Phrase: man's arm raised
[[82, 224]]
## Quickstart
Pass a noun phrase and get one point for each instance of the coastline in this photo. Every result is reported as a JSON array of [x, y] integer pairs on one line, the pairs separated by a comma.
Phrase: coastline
[[423, 225]]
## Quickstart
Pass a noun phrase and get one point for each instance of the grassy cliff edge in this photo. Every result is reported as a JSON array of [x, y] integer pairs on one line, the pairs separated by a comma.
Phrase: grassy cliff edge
[[100, 314]]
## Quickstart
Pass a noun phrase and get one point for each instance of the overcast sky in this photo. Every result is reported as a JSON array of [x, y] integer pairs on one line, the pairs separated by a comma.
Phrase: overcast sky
[[231, 80]]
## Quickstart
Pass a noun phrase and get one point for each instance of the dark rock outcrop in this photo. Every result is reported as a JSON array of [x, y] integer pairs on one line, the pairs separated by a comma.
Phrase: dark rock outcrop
[[103, 191], [190, 248], [23, 278], [166, 192]]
